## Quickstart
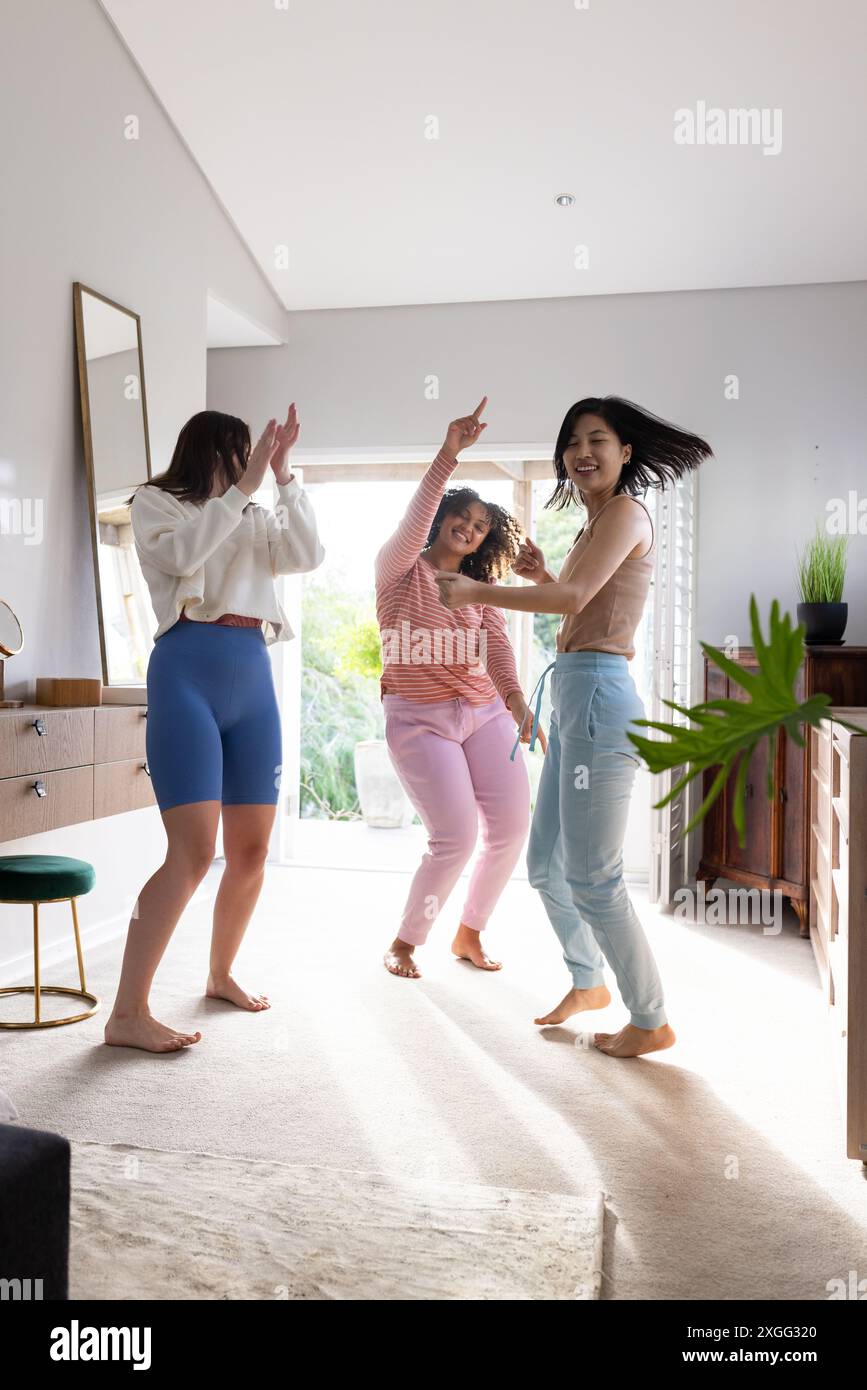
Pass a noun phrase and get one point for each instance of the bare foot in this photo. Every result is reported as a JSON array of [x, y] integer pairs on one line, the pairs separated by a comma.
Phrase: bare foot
[[224, 987], [398, 959], [576, 1001], [467, 945], [634, 1042], [143, 1030]]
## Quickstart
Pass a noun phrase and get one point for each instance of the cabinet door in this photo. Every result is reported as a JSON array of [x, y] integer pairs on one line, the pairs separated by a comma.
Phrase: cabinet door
[[45, 801], [713, 825], [855, 1041], [755, 856], [794, 796], [119, 733], [121, 786]]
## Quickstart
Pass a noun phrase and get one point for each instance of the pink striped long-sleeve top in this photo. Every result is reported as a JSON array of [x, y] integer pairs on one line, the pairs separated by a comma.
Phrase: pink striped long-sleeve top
[[430, 652]]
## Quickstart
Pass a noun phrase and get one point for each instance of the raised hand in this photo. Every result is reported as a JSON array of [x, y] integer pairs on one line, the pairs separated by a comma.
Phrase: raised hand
[[286, 435], [257, 464], [465, 430], [529, 563]]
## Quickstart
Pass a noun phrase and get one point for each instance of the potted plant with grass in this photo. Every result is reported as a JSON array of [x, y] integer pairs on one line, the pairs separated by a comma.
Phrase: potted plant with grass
[[821, 572]]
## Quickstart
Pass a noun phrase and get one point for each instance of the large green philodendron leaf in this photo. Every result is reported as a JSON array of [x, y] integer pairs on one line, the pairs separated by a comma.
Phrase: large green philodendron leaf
[[731, 730]]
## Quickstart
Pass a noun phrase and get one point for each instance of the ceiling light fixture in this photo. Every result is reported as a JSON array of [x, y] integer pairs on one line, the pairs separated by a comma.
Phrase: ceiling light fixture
[[564, 200]]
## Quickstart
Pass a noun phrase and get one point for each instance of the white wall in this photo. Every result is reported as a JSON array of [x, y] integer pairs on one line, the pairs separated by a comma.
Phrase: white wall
[[793, 439], [136, 221]]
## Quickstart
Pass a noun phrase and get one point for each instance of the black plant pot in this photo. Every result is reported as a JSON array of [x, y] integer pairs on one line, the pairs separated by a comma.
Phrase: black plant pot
[[825, 622]]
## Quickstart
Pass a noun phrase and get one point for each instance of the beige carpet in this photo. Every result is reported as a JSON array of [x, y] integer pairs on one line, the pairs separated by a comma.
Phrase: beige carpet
[[152, 1225], [721, 1160]]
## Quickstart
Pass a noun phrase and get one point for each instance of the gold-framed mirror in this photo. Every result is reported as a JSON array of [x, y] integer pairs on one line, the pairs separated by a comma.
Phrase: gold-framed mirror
[[11, 643], [114, 421]]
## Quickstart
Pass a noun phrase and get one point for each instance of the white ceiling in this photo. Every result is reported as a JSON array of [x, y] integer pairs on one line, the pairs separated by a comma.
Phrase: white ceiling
[[228, 327], [309, 123]]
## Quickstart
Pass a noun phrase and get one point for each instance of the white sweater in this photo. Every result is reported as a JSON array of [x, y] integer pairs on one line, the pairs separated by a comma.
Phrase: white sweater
[[221, 556]]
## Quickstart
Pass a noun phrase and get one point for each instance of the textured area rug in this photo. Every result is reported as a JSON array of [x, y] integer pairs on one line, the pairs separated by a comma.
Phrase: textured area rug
[[156, 1225], [721, 1159]]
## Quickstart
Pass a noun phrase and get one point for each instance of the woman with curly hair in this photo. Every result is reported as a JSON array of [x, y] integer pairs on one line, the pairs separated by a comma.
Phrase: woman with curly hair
[[452, 701], [608, 449]]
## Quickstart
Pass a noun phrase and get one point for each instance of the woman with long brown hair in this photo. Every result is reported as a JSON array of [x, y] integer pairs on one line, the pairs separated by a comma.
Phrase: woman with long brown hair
[[210, 556]]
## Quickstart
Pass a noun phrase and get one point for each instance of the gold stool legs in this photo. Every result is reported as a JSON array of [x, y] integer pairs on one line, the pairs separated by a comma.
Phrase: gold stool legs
[[78, 945], [37, 989], [37, 998]]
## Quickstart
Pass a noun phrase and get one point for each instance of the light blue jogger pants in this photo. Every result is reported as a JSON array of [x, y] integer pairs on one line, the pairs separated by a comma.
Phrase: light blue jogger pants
[[574, 857]]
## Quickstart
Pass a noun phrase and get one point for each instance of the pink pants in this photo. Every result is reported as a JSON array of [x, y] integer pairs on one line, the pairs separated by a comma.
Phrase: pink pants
[[453, 761]]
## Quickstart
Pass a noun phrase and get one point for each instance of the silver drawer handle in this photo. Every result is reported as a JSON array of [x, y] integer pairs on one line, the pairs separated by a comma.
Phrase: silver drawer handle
[[39, 726], [147, 769], [39, 788]]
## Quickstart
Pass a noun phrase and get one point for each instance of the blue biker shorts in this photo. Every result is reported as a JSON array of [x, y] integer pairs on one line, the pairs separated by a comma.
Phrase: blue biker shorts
[[213, 723]]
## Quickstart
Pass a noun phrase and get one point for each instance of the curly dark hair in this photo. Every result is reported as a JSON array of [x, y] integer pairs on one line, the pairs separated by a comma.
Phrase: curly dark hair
[[661, 452], [494, 556], [203, 451]]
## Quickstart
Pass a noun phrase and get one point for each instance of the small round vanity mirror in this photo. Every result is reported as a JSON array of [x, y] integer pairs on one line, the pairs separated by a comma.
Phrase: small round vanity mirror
[[11, 636], [11, 641]]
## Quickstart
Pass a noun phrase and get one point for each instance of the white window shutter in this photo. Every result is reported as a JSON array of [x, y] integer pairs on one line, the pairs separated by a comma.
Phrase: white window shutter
[[673, 606]]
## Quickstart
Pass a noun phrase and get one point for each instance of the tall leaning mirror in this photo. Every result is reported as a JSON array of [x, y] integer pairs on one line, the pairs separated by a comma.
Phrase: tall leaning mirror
[[117, 454]]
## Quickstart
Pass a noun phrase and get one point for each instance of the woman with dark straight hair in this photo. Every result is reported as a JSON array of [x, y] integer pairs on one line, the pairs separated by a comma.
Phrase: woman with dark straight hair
[[607, 451], [210, 556]]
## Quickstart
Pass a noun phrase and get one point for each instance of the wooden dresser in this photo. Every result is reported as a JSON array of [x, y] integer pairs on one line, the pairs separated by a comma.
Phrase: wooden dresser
[[61, 766], [838, 906], [775, 853]]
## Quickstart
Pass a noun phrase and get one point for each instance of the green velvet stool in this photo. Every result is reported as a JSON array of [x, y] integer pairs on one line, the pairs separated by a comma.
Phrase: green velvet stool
[[47, 878]]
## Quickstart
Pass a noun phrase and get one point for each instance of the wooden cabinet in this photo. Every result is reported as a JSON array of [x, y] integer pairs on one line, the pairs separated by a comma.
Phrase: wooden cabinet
[[35, 803], [838, 906], [37, 738], [62, 766], [774, 855], [121, 786]]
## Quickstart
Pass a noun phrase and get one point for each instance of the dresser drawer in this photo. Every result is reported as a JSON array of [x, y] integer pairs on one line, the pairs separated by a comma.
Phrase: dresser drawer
[[819, 918], [840, 771], [840, 889], [822, 880], [838, 969], [841, 853], [68, 799], [43, 741], [119, 732], [822, 747], [121, 786], [822, 803], [839, 1037]]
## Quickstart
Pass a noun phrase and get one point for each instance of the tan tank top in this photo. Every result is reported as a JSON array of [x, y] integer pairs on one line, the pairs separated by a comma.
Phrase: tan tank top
[[608, 622]]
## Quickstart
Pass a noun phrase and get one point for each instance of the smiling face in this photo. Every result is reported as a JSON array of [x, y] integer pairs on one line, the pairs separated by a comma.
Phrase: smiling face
[[463, 531], [594, 457]]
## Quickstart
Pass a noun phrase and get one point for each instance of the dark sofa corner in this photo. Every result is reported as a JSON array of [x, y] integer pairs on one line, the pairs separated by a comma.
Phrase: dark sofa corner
[[34, 1214]]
